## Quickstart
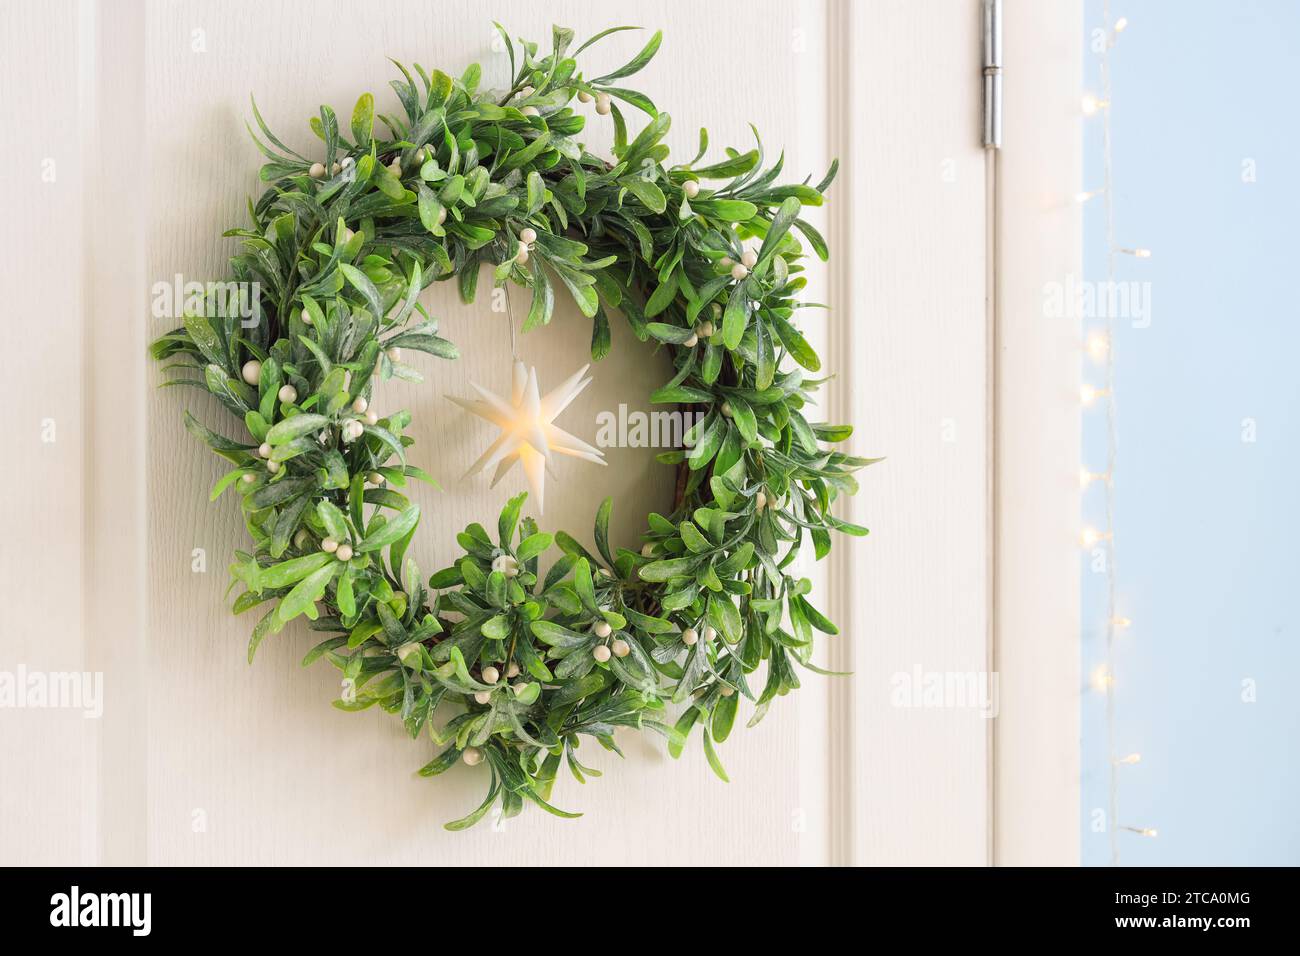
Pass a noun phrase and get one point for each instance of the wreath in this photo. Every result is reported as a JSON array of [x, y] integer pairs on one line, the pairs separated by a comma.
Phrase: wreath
[[703, 260]]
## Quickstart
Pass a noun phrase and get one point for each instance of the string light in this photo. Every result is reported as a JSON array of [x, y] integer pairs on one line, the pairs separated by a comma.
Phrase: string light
[[1084, 197], [1100, 347]]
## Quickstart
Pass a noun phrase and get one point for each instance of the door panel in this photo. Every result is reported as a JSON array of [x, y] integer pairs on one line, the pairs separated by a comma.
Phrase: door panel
[[201, 759]]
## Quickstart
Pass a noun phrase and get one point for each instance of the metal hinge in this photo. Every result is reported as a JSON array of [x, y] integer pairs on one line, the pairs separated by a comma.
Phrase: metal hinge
[[992, 33]]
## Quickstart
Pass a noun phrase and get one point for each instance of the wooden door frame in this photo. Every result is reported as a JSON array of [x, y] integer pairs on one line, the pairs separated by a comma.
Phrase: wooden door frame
[[1029, 635]]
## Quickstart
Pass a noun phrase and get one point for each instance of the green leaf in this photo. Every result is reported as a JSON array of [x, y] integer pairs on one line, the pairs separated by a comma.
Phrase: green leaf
[[291, 428], [795, 344], [670, 568], [724, 716], [361, 282], [307, 592], [781, 223], [391, 531], [646, 192], [294, 570], [363, 119], [533, 545], [637, 62]]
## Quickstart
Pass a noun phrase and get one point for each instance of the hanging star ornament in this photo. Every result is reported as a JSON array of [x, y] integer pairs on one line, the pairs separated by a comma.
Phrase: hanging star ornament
[[528, 430]]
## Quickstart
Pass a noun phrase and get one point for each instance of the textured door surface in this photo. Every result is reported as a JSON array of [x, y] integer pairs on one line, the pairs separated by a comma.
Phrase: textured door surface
[[200, 758]]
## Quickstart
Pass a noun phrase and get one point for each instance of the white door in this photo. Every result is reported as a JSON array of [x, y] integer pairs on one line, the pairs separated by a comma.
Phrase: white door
[[202, 759]]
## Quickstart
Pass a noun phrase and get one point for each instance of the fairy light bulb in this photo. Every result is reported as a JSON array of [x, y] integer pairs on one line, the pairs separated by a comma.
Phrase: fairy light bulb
[[1120, 24], [1102, 680], [1138, 252], [1090, 536], [1142, 831], [1090, 104], [1122, 623], [1090, 393], [1083, 197], [1130, 759], [1098, 346]]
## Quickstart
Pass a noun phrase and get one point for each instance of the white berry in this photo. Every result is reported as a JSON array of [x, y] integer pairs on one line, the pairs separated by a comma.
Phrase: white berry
[[691, 188], [689, 637], [394, 354], [526, 92], [249, 478], [602, 629], [317, 171], [739, 271], [329, 545], [305, 316], [491, 675], [528, 235], [602, 103], [600, 652], [750, 258], [530, 111], [727, 691], [620, 648], [334, 169], [359, 404], [372, 418], [273, 466], [374, 478], [512, 670], [584, 96], [760, 501], [705, 330], [692, 340], [709, 633], [252, 371], [521, 254], [344, 552], [472, 756], [264, 450], [726, 410], [288, 394], [483, 696]]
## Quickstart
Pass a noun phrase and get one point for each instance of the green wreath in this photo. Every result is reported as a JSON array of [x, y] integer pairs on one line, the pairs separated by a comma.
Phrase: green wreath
[[340, 250]]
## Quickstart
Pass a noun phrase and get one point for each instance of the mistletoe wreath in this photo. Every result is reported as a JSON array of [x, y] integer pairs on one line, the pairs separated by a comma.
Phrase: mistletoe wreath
[[340, 249]]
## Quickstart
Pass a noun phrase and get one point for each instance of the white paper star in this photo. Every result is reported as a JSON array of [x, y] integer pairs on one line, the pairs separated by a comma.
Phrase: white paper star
[[528, 432]]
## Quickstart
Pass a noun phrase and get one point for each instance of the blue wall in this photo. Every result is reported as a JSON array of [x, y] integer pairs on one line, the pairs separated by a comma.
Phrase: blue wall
[[1208, 525]]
